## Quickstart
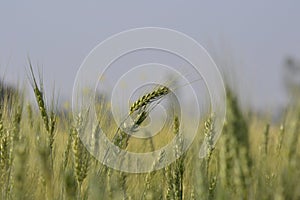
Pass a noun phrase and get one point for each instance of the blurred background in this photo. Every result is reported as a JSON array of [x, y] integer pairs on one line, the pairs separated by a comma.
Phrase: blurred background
[[256, 44]]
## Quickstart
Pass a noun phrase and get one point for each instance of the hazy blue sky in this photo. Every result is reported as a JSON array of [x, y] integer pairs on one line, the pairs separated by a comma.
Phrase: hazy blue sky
[[253, 37]]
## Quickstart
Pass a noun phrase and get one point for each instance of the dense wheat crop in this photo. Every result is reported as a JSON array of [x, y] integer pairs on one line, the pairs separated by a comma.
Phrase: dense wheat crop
[[42, 156]]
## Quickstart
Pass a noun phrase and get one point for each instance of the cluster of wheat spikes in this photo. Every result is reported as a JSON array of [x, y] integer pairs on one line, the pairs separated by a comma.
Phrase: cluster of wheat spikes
[[43, 157]]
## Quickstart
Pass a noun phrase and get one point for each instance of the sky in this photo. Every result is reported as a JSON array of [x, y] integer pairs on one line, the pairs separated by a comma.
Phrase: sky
[[249, 39]]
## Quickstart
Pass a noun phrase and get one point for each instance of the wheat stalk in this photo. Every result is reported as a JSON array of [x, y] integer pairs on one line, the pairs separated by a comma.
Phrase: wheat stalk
[[81, 156], [179, 163], [38, 92], [48, 119], [151, 173]]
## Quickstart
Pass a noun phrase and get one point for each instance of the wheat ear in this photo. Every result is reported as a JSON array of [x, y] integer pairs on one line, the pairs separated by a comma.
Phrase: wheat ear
[[149, 97]]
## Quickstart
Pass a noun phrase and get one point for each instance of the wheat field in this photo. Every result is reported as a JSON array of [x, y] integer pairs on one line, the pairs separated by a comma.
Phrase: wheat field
[[42, 156]]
